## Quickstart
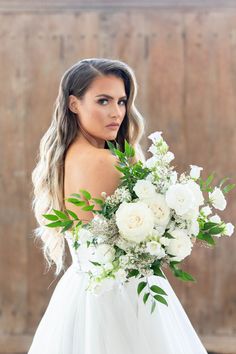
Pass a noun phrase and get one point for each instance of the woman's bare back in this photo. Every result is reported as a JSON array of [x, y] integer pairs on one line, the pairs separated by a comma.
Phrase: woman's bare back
[[90, 168]]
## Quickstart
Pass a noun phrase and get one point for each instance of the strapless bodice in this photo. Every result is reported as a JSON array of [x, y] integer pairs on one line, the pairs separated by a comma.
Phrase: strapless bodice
[[81, 256]]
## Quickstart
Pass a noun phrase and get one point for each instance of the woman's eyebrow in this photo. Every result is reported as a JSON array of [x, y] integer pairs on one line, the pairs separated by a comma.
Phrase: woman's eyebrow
[[103, 94]]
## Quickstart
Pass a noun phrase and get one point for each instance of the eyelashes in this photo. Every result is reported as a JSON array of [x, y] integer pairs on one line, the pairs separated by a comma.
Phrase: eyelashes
[[105, 99]]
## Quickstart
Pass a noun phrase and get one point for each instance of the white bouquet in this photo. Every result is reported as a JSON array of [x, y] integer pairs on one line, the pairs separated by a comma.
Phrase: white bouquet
[[152, 220]]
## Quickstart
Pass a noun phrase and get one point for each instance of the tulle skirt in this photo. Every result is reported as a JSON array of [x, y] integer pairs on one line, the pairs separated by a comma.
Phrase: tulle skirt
[[115, 322]]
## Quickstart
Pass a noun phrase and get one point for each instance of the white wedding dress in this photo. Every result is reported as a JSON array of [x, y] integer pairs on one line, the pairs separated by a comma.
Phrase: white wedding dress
[[115, 322]]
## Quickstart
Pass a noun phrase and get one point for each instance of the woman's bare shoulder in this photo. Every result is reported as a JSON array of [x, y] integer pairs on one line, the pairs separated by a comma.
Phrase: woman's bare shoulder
[[93, 170], [89, 158]]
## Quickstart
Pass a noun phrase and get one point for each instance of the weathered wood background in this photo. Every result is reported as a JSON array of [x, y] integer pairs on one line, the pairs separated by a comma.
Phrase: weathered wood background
[[184, 57]]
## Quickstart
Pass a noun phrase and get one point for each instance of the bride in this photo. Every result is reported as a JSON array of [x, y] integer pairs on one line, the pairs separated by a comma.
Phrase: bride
[[95, 104]]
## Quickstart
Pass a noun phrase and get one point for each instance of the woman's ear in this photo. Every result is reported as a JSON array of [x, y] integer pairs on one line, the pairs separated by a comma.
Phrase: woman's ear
[[73, 104]]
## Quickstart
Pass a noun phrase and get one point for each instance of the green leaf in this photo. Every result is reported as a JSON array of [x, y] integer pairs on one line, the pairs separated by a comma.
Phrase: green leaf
[[223, 181], [60, 214], [98, 201], [50, 217], [161, 299], [168, 235], [141, 286], [88, 207], [76, 195], [157, 270], [206, 237], [210, 179], [145, 297], [54, 224], [95, 263], [133, 273], [71, 213], [76, 201], [67, 227], [216, 230], [228, 188], [110, 145], [209, 225], [86, 194], [158, 290], [179, 273], [153, 306]]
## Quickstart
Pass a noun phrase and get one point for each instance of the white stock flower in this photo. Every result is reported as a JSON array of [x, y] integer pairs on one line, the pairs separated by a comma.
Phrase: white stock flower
[[180, 246], [206, 210], [215, 218], [160, 209], [153, 149], [155, 249], [155, 137], [135, 221], [144, 189], [168, 157], [229, 229], [180, 198], [103, 254], [151, 162], [217, 199], [195, 171]]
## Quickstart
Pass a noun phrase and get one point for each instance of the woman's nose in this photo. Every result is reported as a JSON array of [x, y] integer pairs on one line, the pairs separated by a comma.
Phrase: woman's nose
[[116, 110]]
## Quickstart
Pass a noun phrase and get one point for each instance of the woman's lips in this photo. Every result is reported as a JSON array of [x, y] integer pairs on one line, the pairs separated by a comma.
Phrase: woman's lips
[[113, 126]]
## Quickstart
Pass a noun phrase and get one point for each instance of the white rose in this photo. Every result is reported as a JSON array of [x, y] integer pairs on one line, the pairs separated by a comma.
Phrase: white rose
[[180, 198], [195, 188], [180, 246], [85, 235], [165, 241], [195, 171], [135, 221], [155, 137], [155, 249], [103, 254], [206, 210], [229, 229], [192, 214], [144, 189], [160, 209], [215, 218], [98, 288], [159, 230], [194, 228], [217, 199]]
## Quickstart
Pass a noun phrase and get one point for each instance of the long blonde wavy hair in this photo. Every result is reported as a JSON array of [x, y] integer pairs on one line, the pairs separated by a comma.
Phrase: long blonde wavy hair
[[48, 175]]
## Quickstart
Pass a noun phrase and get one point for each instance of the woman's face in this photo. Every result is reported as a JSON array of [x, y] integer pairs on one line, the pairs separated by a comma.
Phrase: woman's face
[[103, 103]]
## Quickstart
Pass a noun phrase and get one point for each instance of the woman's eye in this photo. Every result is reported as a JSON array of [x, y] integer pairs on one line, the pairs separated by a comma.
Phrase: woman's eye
[[104, 99]]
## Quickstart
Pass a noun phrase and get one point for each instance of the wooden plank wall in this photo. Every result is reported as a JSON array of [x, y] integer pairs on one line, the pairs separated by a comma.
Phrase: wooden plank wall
[[185, 61]]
